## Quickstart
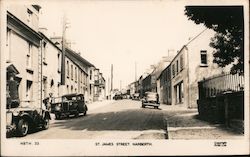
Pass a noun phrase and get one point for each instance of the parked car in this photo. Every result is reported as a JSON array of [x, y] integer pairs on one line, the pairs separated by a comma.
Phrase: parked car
[[118, 96], [70, 104], [136, 96], [151, 99], [21, 120]]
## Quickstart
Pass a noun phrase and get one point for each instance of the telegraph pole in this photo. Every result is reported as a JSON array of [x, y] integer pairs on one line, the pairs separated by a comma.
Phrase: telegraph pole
[[63, 49], [63, 52]]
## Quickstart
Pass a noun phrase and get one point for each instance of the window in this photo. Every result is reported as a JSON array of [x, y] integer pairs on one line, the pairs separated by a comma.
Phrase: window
[[75, 74], [28, 90], [67, 68], [44, 52], [203, 57], [90, 90], [177, 67], [29, 56], [45, 82], [181, 62], [59, 62], [29, 16], [90, 75], [173, 70], [71, 72]]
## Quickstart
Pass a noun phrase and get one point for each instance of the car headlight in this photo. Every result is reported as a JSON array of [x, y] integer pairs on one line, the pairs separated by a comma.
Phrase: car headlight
[[15, 113]]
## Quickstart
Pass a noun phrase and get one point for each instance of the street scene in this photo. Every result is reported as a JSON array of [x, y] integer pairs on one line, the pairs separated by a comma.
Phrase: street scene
[[126, 119], [124, 70]]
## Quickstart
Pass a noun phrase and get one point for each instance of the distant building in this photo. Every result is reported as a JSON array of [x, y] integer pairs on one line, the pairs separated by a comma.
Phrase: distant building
[[99, 86]]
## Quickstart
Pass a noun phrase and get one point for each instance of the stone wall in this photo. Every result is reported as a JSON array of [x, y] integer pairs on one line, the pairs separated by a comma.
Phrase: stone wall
[[226, 108]]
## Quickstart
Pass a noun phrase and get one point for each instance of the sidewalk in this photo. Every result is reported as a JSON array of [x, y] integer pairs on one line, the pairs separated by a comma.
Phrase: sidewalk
[[182, 123]]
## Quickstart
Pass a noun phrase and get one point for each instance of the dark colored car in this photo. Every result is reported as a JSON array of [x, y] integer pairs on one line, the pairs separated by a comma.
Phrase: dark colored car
[[23, 119], [136, 96], [151, 99], [70, 104], [118, 96]]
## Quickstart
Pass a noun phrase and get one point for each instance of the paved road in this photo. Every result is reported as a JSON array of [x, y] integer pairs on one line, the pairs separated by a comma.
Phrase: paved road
[[122, 119]]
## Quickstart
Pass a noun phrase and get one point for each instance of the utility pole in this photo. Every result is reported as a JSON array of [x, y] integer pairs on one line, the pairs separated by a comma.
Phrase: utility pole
[[63, 52]]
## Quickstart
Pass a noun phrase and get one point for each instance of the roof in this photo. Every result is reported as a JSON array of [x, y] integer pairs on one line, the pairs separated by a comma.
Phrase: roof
[[77, 57], [163, 71], [49, 40]]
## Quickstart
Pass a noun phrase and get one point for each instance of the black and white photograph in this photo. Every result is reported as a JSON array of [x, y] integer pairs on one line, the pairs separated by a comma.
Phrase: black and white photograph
[[124, 78]]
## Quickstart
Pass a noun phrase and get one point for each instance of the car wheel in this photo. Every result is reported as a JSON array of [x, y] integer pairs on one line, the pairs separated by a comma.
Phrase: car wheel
[[57, 116], [22, 127], [76, 114], [85, 113], [46, 124]]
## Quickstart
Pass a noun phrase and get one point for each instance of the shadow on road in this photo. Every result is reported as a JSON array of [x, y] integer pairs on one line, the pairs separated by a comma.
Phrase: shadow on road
[[135, 119]]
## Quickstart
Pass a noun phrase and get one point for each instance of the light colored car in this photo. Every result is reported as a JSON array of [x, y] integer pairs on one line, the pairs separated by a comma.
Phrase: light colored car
[[151, 99]]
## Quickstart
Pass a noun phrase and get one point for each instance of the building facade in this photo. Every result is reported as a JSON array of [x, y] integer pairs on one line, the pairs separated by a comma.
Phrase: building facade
[[51, 69], [76, 73], [165, 86], [38, 61], [23, 50], [192, 63]]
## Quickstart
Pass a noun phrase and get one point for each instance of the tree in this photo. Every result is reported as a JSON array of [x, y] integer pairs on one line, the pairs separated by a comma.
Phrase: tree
[[228, 42]]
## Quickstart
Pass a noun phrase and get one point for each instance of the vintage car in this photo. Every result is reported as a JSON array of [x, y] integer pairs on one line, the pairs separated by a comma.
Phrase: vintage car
[[118, 96], [151, 99], [136, 96], [70, 104], [22, 117], [21, 120]]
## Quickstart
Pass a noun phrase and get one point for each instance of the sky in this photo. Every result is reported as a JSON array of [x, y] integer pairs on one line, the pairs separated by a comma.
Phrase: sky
[[122, 33]]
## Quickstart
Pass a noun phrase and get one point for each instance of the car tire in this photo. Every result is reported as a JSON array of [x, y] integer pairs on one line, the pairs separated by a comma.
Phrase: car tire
[[58, 116], [85, 113], [22, 127], [76, 114], [46, 124]]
